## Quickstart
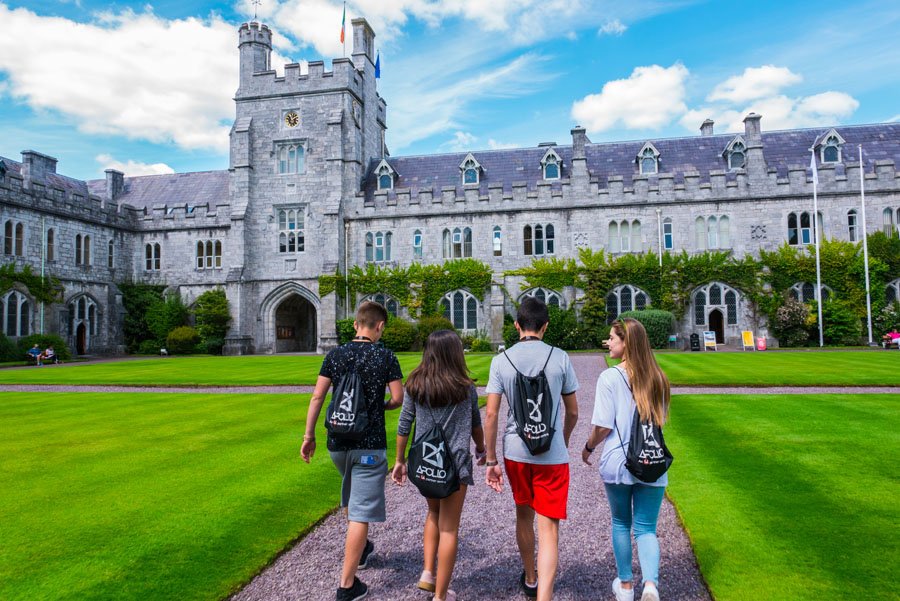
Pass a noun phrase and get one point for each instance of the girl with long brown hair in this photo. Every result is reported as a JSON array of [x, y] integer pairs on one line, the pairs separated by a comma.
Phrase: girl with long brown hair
[[440, 391], [637, 381]]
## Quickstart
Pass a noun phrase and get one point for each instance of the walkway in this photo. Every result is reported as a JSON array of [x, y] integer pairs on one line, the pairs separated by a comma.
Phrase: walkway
[[488, 565]]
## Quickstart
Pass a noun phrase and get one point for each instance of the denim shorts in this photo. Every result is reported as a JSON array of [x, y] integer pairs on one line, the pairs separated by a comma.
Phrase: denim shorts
[[363, 473]]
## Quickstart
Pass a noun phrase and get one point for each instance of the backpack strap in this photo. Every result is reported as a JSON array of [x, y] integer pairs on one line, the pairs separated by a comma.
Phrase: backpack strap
[[615, 425]]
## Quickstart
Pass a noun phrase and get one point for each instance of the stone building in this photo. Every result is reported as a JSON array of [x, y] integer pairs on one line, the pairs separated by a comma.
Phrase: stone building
[[310, 190]]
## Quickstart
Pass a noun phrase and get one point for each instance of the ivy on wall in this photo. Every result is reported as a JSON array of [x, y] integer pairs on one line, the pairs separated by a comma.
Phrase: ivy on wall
[[44, 290]]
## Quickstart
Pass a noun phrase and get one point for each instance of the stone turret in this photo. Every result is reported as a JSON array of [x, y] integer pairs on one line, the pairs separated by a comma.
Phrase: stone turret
[[363, 42], [255, 47]]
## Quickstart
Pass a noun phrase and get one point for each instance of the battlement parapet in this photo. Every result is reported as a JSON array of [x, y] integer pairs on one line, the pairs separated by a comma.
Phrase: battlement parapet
[[185, 216], [343, 75], [58, 201]]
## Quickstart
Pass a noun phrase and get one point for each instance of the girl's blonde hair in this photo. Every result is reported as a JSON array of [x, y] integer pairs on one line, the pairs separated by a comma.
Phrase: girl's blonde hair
[[649, 384]]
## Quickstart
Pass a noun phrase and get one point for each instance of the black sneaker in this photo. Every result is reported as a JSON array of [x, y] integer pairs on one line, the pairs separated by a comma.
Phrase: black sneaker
[[355, 592], [364, 560], [530, 591]]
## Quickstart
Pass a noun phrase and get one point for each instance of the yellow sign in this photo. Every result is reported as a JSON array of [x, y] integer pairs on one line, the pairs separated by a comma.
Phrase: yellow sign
[[747, 340]]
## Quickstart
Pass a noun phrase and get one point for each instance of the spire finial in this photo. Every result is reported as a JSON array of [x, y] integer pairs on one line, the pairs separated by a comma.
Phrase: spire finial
[[255, 4]]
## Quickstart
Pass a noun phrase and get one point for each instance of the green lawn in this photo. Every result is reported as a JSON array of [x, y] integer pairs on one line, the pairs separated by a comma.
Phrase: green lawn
[[254, 370], [789, 497], [809, 368], [152, 496]]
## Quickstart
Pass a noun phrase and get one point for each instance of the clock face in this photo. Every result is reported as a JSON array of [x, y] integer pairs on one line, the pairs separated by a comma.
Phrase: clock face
[[292, 119]]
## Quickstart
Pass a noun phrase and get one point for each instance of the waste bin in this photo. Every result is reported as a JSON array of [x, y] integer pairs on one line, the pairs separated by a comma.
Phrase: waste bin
[[695, 342], [761, 343]]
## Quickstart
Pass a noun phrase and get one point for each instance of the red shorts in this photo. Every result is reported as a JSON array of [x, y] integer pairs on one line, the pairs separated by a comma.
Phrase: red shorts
[[544, 488]]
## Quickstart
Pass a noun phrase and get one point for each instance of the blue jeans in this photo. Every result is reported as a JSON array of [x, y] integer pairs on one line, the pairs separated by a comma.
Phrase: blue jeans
[[645, 501]]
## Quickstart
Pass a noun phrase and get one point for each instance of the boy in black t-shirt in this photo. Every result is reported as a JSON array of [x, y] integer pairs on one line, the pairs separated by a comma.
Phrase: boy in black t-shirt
[[362, 463]]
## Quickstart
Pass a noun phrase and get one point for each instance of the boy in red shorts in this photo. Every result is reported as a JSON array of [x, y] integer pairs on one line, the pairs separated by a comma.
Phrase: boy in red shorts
[[540, 483]]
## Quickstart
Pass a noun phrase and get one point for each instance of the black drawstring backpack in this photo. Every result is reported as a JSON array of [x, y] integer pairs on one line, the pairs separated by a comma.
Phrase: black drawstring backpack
[[531, 404], [347, 417], [430, 465], [647, 456]]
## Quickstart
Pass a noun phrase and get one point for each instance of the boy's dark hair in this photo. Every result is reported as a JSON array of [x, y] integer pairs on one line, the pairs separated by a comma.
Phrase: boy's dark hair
[[532, 314], [370, 313]]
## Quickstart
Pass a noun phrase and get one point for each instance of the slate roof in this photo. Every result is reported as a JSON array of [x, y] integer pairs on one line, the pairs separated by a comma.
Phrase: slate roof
[[702, 154], [193, 189], [53, 180]]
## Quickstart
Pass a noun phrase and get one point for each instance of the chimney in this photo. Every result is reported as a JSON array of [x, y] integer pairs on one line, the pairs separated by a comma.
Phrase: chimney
[[706, 128], [579, 139], [36, 166], [756, 160], [115, 184]]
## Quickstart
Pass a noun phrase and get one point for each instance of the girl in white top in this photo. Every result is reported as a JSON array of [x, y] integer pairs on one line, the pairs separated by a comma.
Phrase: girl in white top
[[633, 504]]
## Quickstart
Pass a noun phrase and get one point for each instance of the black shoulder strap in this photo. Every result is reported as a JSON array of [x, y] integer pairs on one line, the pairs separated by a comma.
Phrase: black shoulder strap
[[547, 362], [615, 425], [511, 363]]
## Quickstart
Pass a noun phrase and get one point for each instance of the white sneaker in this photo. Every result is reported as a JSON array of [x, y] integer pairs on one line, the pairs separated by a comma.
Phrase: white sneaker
[[621, 593], [650, 592]]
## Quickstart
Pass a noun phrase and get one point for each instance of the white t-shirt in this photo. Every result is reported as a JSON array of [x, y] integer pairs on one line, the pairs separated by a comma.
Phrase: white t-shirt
[[614, 407], [529, 357]]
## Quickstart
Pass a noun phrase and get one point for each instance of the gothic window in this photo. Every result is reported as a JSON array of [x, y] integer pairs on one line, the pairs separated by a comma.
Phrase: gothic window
[[700, 233], [539, 240], [417, 244], [852, 225], [548, 297], [625, 298], [716, 296], [209, 254], [51, 245], [712, 230], [378, 247], [384, 175], [110, 254], [291, 231], [887, 220], [8, 238], [386, 301], [78, 249], [152, 256], [551, 165], [370, 247], [613, 236], [458, 243], [16, 314], [800, 228], [20, 239], [724, 232], [461, 309], [497, 241], [290, 159], [831, 150], [892, 292], [86, 255], [736, 157], [625, 236], [806, 292], [83, 311], [649, 160], [470, 172], [668, 237]]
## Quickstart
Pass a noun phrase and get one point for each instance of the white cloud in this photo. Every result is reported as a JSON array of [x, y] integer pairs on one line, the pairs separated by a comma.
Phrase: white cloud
[[894, 119], [650, 98], [127, 74], [612, 27], [754, 82], [132, 168], [461, 140]]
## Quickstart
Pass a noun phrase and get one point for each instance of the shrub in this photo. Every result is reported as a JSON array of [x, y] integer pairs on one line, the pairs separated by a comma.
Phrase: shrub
[[481, 345], [212, 315], [148, 347], [166, 315], [399, 334], [658, 324], [840, 325], [791, 323], [429, 324], [137, 299], [8, 349], [886, 319], [211, 346], [182, 340], [345, 330], [43, 341]]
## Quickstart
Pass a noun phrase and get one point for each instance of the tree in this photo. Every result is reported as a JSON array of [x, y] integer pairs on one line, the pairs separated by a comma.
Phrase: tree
[[212, 316], [166, 315]]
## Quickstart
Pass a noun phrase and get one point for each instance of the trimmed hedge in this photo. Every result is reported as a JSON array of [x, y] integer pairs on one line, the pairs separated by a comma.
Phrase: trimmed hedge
[[182, 341], [43, 341], [658, 323], [399, 334]]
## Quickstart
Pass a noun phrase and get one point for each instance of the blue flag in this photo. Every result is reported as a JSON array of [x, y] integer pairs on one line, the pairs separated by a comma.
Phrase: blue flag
[[378, 65]]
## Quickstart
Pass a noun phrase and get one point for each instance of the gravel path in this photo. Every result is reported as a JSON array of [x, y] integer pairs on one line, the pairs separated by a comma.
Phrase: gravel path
[[488, 566]]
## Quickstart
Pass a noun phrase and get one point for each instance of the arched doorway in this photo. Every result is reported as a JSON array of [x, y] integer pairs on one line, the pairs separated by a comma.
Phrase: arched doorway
[[81, 339], [717, 325], [295, 325]]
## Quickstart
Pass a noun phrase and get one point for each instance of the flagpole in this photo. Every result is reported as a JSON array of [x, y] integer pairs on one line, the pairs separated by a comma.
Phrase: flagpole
[[816, 234], [862, 198], [343, 29]]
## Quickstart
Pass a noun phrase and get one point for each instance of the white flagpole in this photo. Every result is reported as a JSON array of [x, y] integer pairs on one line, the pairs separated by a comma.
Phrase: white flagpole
[[815, 220], [43, 250], [862, 198]]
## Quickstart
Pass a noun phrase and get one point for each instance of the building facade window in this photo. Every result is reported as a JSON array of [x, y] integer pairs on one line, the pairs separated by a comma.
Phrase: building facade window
[[831, 150], [110, 254], [457, 243], [548, 297], [385, 176], [20, 240], [470, 173], [388, 302], [852, 226], [16, 314], [461, 309], [800, 228], [13, 238], [82, 250], [83, 312], [291, 231], [624, 236], [712, 232], [51, 245], [551, 165], [806, 292], [649, 160], [625, 298], [8, 238], [378, 247], [417, 244], [497, 241], [716, 296], [539, 240], [668, 235], [737, 156], [152, 256], [887, 221], [290, 159], [209, 254]]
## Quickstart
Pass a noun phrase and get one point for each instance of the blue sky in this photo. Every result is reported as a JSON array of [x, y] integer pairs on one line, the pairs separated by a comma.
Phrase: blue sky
[[147, 88]]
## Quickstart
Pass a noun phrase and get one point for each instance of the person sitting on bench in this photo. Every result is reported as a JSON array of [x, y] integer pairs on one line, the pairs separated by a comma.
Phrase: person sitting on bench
[[34, 354], [49, 355]]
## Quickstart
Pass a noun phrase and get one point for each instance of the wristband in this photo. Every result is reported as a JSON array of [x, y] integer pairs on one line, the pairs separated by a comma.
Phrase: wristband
[[491, 463], [588, 449]]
